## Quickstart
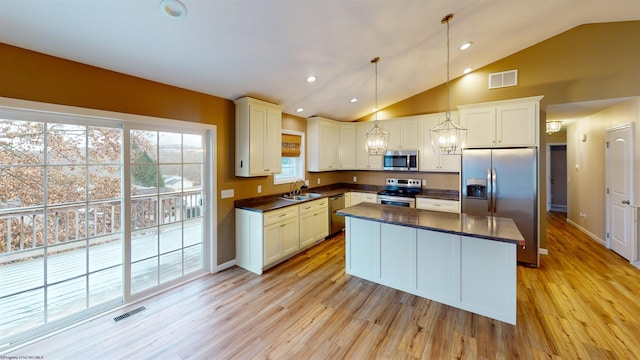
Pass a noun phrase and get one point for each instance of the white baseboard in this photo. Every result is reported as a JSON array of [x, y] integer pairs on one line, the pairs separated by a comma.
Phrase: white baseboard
[[543, 251], [226, 265], [636, 264], [589, 234]]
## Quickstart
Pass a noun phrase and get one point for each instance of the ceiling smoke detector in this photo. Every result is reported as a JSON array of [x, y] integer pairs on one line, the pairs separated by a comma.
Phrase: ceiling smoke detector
[[173, 8]]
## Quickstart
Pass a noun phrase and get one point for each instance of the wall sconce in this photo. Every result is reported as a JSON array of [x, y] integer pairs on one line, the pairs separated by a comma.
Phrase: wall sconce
[[553, 126]]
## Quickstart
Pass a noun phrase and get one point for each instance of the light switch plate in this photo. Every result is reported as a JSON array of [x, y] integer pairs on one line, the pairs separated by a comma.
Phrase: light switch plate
[[228, 193]]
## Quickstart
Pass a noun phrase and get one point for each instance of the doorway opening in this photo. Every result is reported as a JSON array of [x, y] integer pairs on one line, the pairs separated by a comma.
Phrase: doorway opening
[[557, 177]]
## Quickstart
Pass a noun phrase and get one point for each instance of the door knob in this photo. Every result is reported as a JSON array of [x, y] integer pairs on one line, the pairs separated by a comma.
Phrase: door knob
[[626, 202]]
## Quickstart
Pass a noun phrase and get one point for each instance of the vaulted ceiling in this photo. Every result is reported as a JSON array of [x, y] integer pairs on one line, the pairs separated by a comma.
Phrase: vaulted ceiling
[[267, 48]]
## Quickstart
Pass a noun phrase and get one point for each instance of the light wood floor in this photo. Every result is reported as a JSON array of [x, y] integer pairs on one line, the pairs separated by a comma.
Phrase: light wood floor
[[582, 303]]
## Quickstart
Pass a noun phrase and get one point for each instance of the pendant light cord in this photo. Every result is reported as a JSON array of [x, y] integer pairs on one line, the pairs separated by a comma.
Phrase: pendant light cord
[[445, 20], [375, 62]]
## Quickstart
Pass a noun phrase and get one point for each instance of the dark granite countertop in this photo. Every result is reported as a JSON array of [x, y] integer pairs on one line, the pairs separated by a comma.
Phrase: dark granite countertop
[[483, 227], [273, 202]]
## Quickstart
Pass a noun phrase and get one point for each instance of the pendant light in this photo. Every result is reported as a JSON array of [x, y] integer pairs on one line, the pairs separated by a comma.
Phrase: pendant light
[[448, 137], [376, 140]]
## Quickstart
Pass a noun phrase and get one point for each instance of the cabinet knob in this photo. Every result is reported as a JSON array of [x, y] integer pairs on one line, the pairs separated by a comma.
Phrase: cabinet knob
[[626, 202]]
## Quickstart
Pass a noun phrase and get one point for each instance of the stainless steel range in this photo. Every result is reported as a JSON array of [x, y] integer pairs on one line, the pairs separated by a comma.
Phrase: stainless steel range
[[400, 192]]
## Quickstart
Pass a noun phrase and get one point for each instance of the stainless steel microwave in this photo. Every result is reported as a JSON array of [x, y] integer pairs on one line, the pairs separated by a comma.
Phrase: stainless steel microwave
[[404, 160]]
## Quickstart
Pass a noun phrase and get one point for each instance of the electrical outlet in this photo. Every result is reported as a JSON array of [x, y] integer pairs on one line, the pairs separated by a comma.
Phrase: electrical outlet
[[226, 193], [318, 181], [355, 179], [259, 189], [306, 182], [424, 182]]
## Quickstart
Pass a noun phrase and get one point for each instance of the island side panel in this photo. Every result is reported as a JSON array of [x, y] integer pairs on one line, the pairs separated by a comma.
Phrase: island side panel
[[363, 249], [488, 278], [438, 261], [398, 257]]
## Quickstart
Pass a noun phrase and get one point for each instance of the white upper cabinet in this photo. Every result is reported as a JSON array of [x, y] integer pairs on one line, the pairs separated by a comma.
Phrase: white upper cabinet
[[502, 123], [428, 159], [347, 146], [364, 161], [323, 144], [403, 133], [258, 138]]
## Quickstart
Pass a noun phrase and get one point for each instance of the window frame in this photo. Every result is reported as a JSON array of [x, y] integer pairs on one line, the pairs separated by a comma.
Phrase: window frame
[[301, 172]]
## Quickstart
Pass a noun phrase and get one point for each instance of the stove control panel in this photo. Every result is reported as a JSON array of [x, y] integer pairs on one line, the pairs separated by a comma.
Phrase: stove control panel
[[404, 183]]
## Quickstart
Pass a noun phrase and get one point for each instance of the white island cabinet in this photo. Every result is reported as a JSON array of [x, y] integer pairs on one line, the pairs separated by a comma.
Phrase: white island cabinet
[[472, 268]]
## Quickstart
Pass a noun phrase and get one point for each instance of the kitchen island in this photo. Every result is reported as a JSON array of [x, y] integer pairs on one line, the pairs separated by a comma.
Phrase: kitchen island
[[468, 262]]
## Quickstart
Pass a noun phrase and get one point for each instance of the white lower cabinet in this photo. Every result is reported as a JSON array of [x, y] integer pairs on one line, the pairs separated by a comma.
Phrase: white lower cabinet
[[452, 206], [469, 273], [358, 197], [314, 221], [264, 239]]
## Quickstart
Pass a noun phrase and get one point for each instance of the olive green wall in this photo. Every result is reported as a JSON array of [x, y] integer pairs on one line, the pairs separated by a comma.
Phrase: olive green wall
[[589, 62]]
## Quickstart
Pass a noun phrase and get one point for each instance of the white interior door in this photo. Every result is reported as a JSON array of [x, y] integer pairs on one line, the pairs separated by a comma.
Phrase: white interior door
[[619, 182]]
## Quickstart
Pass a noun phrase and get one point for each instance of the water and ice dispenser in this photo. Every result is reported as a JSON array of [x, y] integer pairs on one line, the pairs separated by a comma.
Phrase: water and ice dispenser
[[476, 188]]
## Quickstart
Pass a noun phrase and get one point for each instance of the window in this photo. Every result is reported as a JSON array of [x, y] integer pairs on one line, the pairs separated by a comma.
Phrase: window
[[292, 166]]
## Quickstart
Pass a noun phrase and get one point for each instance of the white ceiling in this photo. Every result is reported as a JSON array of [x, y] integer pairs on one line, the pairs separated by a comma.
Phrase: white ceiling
[[267, 48]]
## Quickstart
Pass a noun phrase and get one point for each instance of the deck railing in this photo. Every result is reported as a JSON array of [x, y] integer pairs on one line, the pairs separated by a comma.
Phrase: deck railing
[[23, 229]]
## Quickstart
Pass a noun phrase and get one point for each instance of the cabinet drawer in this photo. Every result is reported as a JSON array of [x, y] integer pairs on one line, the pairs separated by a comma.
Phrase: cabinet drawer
[[311, 206], [438, 205], [274, 216]]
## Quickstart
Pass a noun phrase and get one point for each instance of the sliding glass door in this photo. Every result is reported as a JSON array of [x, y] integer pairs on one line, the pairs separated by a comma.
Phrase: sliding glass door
[[82, 229]]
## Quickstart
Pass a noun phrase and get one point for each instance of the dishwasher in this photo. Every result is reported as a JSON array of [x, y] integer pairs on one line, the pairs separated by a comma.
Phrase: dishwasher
[[336, 222]]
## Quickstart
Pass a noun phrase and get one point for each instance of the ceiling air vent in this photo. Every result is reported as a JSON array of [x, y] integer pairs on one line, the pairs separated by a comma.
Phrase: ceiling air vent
[[503, 79]]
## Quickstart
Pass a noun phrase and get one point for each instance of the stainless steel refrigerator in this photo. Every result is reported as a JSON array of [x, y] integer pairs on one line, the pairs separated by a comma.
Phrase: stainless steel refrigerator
[[504, 183]]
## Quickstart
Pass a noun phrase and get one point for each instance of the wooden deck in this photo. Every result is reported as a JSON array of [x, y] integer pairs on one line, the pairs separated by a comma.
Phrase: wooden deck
[[22, 295], [581, 303]]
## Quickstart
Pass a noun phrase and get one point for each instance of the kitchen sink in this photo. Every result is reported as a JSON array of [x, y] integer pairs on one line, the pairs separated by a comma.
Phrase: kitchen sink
[[301, 197]]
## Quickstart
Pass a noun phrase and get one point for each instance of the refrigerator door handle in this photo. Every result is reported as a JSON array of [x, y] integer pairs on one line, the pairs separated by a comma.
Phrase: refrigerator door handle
[[490, 191], [494, 179]]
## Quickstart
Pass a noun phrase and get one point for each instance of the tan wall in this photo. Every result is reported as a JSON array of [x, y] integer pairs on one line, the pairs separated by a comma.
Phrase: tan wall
[[586, 164], [574, 66], [589, 62]]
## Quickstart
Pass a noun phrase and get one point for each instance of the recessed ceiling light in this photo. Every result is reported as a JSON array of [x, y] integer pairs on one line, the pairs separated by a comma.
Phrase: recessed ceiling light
[[173, 8], [311, 79], [466, 45], [353, 100], [299, 110], [468, 70]]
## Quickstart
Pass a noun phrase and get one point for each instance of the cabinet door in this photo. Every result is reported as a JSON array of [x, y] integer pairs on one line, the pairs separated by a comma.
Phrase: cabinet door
[[362, 248], [257, 139], [272, 153], [321, 223], [364, 161], [481, 126], [307, 229], [347, 146], [272, 243], [429, 159], [398, 265], [395, 133], [409, 131], [438, 264], [516, 125], [329, 143], [290, 236]]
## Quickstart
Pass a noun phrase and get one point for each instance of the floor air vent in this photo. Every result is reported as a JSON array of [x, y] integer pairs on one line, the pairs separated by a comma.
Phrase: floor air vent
[[128, 313]]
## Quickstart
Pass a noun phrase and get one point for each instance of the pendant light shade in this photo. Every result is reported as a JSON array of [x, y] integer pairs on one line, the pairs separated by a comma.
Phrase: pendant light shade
[[377, 139], [448, 137]]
